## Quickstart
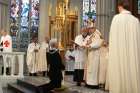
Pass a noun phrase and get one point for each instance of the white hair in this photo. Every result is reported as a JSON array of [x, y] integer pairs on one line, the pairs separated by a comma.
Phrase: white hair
[[53, 41]]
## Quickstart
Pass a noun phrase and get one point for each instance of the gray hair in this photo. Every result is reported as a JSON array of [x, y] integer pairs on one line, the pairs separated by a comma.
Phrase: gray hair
[[53, 41]]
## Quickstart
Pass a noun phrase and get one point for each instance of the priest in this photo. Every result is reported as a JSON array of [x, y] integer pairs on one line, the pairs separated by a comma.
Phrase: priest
[[93, 45], [32, 56], [124, 52]]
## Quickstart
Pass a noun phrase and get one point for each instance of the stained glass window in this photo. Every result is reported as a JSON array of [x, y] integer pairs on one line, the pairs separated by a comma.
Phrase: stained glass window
[[34, 17], [24, 22], [14, 21], [138, 6], [89, 11], [93, 5], [85, 6]]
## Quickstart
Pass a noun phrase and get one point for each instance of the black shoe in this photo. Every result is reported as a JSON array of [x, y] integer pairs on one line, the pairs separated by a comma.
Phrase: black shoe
[[35, 74], [44, 73], [102, 86], [92, 86], [78, 84], [2, 70], [7, 71], [30, 74]]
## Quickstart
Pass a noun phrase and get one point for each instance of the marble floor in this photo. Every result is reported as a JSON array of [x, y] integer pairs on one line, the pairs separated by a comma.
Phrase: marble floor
[[81, 89], [71, 86]]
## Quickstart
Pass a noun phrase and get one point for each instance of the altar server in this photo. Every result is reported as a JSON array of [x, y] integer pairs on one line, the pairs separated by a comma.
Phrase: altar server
[[80, 57], [6, 42], [70, 58], [42, 63], [32, 56]]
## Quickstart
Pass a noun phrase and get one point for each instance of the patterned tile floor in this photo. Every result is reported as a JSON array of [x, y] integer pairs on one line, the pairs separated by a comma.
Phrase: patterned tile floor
[[72, 86]]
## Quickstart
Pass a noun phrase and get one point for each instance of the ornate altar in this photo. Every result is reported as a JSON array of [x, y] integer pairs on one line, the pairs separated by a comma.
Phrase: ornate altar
[[63, 26]]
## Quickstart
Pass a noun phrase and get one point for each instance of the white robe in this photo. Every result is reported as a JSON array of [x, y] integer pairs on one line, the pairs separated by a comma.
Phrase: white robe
[[42, 63], [32, 57], [92, 71], [103, 64], [1, 90], [7, 43], [7, 47], [80, 53], [124, 54], [69, 62]]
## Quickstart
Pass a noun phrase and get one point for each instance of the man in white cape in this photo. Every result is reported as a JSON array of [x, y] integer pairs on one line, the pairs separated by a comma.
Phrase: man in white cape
[[32, 57], [124, 52]]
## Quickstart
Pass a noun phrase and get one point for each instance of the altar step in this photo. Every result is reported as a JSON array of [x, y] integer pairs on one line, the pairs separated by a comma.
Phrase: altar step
[[31, 84], [18, 89], [27, 84]]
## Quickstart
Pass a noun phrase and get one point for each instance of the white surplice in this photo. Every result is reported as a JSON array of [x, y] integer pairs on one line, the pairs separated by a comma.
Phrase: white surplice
[[7, 47], [32, 57], [124, 54], [103, 64], [92, 71], [80, 53], [42, 63], [69, 62]]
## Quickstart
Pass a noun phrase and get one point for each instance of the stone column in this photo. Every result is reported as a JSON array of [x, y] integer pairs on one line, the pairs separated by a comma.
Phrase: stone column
[[105, 12], [44, 19], [44, 16]]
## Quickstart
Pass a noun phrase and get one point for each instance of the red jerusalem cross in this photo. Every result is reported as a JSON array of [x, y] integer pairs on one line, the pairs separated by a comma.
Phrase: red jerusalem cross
[[6, 43]]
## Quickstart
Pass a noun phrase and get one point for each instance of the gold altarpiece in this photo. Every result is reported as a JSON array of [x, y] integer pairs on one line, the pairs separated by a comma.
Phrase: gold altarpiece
[[64, 25]]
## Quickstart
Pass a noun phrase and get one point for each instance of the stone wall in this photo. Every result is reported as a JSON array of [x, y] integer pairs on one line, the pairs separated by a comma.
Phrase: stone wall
[[105, 12]]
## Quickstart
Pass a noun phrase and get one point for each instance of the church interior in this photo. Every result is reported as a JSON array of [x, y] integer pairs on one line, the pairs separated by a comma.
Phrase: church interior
[[61, 20]]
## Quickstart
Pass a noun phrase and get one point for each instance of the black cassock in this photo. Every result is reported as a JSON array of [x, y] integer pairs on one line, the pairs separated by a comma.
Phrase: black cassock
[[55, 71]]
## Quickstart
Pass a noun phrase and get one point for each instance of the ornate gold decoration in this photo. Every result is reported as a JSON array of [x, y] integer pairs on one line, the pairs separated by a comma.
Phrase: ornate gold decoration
[[63, 25]]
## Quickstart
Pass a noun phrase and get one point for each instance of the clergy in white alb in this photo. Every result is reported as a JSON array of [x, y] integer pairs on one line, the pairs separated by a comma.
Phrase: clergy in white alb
[[124, 52], [6, 41], [93, 45], [32, 56], [103, 64], [42, 63]]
